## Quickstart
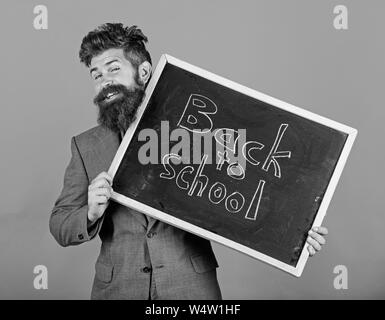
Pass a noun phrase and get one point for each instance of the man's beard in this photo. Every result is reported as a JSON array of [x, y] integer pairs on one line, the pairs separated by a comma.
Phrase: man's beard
[[118, 114]]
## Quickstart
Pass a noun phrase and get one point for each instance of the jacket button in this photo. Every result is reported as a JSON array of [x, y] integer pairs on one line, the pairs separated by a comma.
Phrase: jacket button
[[151, 234], [146, 270], [80, 237]]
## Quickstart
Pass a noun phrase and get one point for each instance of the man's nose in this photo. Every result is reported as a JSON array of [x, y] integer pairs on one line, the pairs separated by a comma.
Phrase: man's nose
[[106, 83]]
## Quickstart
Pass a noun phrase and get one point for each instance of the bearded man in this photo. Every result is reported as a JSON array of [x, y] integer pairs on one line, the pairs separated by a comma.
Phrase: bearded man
[[140, 257]]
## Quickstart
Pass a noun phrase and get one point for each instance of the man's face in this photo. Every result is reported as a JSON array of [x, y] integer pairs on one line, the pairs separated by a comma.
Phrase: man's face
[[111, 67], [118, 93]]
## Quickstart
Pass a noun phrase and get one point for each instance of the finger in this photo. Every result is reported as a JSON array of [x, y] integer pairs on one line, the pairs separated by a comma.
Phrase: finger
[[317, 237], [104, 175], [321, 230], [101, 199], [101, 183], [101, 192], [311, 250], [314, 243]]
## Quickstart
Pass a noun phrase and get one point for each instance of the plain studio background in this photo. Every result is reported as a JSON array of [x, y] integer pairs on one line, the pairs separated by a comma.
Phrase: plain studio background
[[287, 49]]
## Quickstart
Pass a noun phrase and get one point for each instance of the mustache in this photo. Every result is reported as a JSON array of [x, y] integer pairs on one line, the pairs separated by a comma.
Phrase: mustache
[[114, 88]]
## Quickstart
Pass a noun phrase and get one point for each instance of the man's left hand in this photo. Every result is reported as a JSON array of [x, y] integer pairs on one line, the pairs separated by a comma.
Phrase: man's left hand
[[316, 239]]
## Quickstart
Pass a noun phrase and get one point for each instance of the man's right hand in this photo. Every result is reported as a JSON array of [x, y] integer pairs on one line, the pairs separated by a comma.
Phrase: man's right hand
[[99, 194]]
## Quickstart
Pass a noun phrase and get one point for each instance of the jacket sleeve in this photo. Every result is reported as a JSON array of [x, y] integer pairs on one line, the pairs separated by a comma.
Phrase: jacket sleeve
[[68, 221]]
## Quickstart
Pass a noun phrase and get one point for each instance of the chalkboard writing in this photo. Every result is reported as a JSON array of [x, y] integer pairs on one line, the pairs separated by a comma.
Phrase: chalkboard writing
[[232, 165]]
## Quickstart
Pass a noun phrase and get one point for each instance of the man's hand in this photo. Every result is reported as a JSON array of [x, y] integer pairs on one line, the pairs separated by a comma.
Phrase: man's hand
[[99, 193], [316, 239]]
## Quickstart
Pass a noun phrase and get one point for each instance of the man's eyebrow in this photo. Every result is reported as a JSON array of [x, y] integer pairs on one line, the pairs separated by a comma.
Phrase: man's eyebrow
[[106, 64], [111, 61]]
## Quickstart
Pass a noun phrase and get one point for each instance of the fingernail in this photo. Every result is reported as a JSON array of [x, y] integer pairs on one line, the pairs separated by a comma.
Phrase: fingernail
[[310, 232], [315, 229]]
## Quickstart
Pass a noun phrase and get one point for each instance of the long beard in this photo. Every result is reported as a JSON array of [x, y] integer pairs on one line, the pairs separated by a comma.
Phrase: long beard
[[118, 114]]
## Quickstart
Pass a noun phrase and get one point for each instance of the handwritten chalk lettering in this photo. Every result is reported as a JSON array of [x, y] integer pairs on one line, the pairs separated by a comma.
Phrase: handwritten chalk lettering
[[247, 151], [252, 211], [254, 145], [234, 202], [200, 178], [232, 148], [236, 171], [195, 115], [166, 164], [180, 182], [273, 154], [223, 158], [217, 192], [232, 141], [226, 137]]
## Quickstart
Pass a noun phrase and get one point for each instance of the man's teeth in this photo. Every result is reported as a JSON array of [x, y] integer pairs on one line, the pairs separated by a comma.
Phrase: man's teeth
[[109, 95]]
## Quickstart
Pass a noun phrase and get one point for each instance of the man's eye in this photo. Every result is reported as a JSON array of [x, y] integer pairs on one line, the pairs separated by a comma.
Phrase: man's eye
[[115, 69], [97, 76]]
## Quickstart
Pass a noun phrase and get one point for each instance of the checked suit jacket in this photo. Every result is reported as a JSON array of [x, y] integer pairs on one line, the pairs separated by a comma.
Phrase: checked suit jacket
[[137, 252]]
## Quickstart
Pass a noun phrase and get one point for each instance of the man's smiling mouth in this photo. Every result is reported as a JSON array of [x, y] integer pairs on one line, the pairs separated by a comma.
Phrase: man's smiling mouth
[[111, 96]]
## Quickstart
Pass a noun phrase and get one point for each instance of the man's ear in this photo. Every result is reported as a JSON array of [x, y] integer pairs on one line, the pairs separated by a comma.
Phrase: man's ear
[[144, 72]]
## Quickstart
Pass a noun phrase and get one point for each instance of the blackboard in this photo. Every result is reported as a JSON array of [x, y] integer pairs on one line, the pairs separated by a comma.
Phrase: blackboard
[[230, 164]]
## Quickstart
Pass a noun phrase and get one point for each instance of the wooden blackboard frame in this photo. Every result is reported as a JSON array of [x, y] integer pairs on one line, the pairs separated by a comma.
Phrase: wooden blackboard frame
[[157, 214]]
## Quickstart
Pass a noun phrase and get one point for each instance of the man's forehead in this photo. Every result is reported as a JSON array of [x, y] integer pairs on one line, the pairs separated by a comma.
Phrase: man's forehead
[[106, 56]]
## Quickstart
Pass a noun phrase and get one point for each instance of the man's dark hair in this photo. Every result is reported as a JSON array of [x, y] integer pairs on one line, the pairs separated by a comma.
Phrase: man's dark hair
[[115, 35]]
